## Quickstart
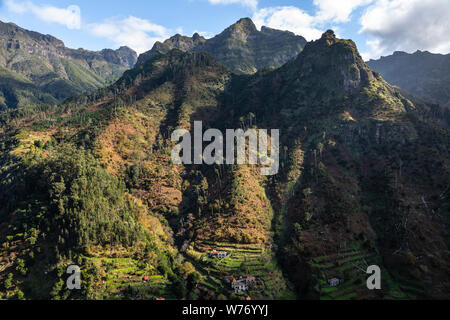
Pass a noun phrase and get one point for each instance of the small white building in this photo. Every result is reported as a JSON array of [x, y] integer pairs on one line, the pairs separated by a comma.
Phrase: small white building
[[242, 283], [239, 285], [222, 254], [218, 254]]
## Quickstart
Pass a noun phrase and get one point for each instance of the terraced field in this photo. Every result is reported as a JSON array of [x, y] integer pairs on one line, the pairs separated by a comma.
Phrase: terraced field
[[400, 288], [350, 265], [242, 260], [125, 277]]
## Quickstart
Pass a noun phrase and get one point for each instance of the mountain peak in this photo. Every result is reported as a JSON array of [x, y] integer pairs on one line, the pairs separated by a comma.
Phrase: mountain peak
[[329, 34], [340, 58], [246, 25], [13, 31], [177, 37], [329, 37], [240, 47], [124, 48], [196, 36]]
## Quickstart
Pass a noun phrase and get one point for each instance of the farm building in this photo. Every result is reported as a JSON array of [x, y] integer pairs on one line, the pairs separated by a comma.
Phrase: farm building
[[249, 280], [218, 254], [239, 285], [242, 283]]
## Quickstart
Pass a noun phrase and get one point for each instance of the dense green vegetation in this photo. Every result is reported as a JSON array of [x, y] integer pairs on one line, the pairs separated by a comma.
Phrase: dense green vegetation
[[363, 180], [62, 208]]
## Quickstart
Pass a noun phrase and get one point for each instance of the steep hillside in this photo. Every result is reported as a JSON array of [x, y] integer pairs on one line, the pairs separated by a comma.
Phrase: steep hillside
[[363, 180], [241, 47], [356, 177], [53, 69], [422, 73]]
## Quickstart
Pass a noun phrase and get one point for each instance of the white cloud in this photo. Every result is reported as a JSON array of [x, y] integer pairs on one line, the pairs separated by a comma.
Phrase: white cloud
[[253, 4], [407, 25], [288, 18], [70, 16], [337, 11], [138, 34], [376, 50], [302, 23]]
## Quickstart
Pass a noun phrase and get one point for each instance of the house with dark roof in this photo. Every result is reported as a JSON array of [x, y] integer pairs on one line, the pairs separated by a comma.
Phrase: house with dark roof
[[242, 283], [239, 285], [218, 254]]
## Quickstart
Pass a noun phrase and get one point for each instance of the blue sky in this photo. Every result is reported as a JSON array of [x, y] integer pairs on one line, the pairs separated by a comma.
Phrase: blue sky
[[379, 27]]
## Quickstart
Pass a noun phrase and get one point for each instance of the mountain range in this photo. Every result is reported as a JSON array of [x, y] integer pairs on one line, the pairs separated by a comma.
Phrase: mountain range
[[363, 181], [423, 74], [39, 69], [241, 47]]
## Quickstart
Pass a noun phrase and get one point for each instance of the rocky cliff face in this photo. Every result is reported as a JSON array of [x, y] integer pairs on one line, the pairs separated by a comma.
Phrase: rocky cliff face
[[178, 41], [52, 68], [335, 60], [241, 47], [123, 56]]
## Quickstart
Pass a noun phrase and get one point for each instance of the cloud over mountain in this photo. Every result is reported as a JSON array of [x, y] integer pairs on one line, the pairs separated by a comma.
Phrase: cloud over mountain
[[288, 18], [136, 33], [407, 25], [337, 11]]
